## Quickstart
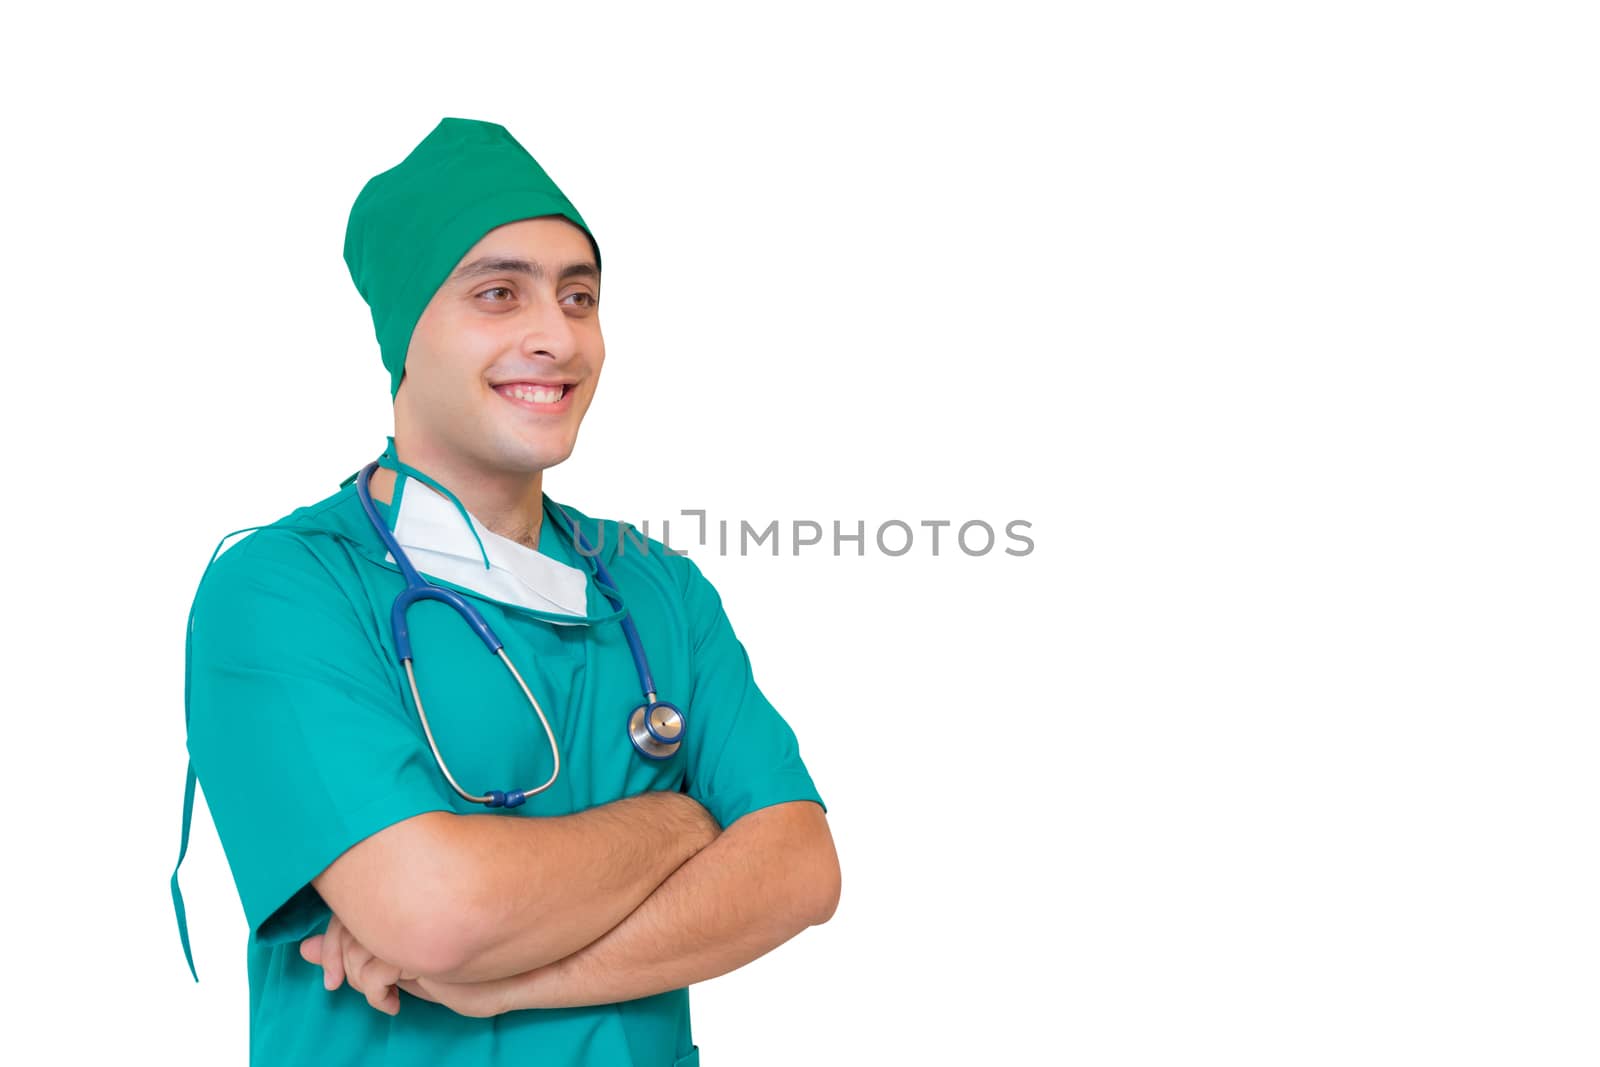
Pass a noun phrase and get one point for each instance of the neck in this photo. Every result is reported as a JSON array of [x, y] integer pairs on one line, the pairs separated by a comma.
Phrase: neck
[[511, 503]]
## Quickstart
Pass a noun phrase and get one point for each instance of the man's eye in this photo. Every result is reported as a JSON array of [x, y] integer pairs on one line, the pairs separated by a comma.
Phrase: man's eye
[[497, 289], [588, 299]]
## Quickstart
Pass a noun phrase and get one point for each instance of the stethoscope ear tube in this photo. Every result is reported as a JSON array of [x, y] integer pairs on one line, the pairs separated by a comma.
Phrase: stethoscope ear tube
[[412, 594], [495, 798]]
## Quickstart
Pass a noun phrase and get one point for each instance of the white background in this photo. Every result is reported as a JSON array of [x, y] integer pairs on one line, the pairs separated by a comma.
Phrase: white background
[[1277, 322]]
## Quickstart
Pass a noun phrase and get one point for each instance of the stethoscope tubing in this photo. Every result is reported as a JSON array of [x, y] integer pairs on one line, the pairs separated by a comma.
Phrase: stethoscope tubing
[[642, 727], [635, 646]]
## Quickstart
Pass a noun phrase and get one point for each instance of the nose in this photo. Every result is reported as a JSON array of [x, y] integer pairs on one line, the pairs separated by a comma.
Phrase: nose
[[547, 331]]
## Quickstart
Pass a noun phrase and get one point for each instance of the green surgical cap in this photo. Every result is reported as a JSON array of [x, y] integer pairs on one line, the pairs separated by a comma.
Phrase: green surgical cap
[[411, 224]]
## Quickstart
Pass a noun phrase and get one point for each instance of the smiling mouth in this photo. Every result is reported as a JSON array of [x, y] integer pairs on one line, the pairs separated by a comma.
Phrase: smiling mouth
[[535, 397]]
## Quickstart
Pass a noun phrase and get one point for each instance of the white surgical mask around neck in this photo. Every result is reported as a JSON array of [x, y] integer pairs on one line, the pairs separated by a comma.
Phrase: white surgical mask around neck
[[430, 529]]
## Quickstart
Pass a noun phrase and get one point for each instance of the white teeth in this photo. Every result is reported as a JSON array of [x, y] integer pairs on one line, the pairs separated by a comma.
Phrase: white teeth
[[536, 394]]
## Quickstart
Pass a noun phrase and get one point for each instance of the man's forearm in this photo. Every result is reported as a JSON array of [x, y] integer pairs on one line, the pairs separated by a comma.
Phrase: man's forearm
[[552, 885], [767, 877]]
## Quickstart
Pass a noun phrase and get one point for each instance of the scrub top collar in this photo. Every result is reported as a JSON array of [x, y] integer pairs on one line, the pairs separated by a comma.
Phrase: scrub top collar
[[441, 546], [476, 561]]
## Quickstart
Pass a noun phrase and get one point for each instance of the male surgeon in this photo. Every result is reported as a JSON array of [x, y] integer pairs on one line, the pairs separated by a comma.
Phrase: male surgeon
[[400, 916]]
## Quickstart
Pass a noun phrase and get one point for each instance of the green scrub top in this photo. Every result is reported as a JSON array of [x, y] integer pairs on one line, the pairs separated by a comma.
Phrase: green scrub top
[[303, 733]]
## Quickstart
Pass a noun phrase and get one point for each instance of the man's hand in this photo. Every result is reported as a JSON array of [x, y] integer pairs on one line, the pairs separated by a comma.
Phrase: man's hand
[[344, 959], [476, 999]]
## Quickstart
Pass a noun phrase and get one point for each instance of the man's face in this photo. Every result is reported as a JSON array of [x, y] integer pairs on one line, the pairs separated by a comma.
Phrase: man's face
[[519, 314]]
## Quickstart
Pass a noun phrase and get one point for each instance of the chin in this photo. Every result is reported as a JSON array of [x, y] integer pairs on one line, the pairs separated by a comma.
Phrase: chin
[[537, 458]]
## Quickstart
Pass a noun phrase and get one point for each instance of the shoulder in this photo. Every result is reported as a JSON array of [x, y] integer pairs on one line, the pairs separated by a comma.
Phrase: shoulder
[[297, 552]]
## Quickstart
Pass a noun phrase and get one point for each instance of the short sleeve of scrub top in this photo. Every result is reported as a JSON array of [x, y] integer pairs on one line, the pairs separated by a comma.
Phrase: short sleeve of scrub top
[[298, 734], [746, 756]]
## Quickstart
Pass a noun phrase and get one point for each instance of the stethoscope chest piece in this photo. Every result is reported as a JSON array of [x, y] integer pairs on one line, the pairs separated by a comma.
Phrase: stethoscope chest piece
[[656, 729]]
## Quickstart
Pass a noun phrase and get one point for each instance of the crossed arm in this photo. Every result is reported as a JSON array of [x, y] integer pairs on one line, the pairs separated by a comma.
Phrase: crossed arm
[[489, 913]]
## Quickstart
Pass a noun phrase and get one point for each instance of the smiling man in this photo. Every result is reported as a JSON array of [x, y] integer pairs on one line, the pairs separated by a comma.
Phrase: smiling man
[[465, 858]]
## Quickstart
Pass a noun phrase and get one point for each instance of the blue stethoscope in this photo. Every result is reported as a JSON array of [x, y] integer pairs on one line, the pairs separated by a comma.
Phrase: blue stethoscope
[[654, 727]]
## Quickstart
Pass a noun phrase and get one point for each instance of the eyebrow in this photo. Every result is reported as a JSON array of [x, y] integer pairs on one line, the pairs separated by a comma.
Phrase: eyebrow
[[515, 265]]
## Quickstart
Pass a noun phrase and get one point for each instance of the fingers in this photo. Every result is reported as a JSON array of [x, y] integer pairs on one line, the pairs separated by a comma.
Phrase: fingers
[[377, 979], [344, 959], [333, 955], [356, 957]]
